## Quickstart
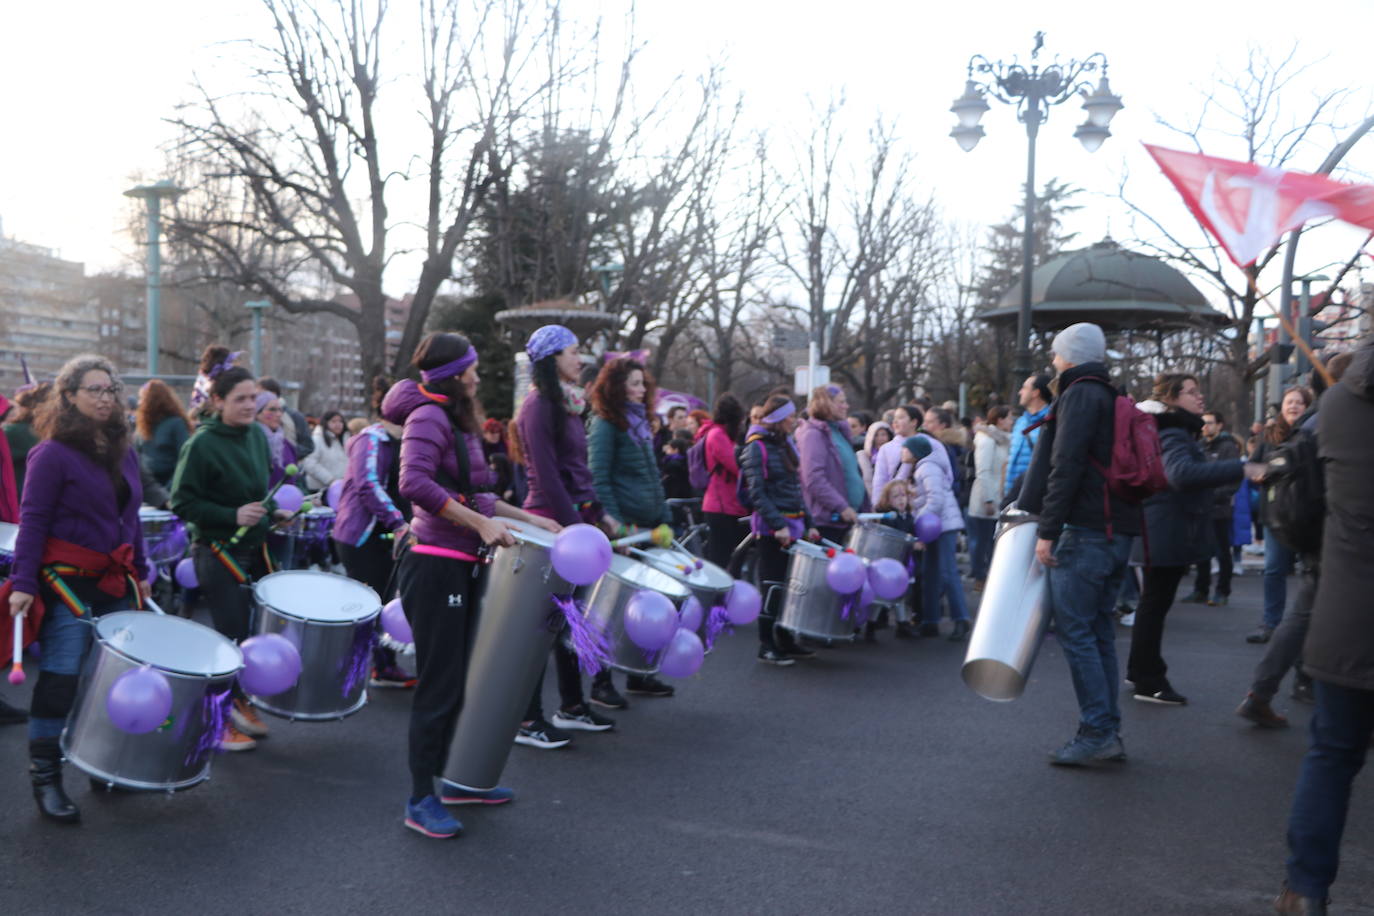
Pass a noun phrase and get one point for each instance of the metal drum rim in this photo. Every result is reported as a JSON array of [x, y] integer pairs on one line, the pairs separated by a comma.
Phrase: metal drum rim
[[174, 672], [263, 603]]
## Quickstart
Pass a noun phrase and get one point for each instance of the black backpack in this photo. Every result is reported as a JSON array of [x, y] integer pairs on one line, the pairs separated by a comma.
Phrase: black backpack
[[1295, 494]]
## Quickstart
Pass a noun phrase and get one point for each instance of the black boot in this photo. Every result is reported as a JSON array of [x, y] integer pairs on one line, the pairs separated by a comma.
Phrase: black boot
[[45, 770]]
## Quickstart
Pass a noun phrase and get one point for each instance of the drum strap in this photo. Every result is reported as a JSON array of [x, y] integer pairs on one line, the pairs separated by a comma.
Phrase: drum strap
[[227, 560], [52, 577]]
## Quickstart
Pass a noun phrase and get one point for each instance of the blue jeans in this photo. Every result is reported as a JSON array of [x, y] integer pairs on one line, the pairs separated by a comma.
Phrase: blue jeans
[[1082, 594], [65, 641], [1339, 739], [940, 578], [981, 532], [1278, 565]]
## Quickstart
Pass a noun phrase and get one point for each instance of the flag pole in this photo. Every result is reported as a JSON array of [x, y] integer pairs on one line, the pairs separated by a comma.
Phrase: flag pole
[[1297, 339]]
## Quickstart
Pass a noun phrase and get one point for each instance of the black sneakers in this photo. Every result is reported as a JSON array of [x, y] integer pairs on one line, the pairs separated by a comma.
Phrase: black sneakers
[[647, 686], [605, 695], [581, 718], [1164, 695], [773, 657], [542, 735]]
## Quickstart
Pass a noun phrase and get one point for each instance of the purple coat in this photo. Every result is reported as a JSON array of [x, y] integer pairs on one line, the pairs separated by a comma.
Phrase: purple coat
[[365, 503], [559, 477], [822, 475], [68, 496], [428, 449]]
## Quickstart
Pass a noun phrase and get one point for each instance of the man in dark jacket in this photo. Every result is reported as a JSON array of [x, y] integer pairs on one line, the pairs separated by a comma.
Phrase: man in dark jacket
[[1084, 540], [1217, 445], [1339, 652]]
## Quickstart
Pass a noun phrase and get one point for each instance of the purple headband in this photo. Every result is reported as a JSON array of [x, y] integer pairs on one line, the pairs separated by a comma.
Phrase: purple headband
[[262, 400], [224, 366], [782, 413], [449, 370], [548, 340], [833, 390]]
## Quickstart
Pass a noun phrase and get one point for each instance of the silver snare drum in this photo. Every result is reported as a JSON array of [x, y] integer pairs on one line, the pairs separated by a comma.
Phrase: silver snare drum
[[812, 607], [332, 620], [710, 583], [609, 598], [874, 540], [200, 666]]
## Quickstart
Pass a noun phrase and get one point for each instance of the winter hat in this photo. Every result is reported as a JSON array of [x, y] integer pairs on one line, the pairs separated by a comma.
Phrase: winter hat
[[548, 340], [919, 446], [1081, 343]]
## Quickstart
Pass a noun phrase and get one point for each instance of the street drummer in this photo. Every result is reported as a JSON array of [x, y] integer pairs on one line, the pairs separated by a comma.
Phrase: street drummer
[[446, 479], [770, 466], [220, 490], [620, 453], [832, 484], [79, 552], [371, 517]]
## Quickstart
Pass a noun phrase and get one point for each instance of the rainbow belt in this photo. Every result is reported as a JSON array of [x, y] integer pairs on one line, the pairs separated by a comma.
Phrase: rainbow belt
[[227, 560], [52, 576]]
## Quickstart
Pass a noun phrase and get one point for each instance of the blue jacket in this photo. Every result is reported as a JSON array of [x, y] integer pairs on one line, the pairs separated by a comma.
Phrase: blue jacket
[[1022, 446]]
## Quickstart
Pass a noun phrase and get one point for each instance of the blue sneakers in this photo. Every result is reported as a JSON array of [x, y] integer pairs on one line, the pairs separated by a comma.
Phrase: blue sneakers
[[451, 793], [429, 817]]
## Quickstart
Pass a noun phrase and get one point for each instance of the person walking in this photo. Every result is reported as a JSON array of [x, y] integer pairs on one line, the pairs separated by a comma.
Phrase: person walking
[[832, 486], [991, 449], [1278, 559], [1084, 536], [1217, 445], [1339, 651], [1178, 527]]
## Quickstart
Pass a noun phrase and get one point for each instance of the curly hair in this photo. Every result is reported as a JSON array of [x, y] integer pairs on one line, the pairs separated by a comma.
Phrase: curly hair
[[608, 394], [1278, 429], [27, 402], [1169, 385], [156, 402], [58, 419], [212, 356], [441, 348]]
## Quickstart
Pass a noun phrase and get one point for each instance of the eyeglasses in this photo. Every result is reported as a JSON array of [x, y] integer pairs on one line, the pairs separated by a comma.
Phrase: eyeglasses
[[100, 392]]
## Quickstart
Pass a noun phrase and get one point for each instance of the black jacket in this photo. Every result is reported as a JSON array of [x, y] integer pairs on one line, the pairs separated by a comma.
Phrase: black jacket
[[777, 492], [1178, 521], [1223, 448], [1340, 641], [1062, 484]]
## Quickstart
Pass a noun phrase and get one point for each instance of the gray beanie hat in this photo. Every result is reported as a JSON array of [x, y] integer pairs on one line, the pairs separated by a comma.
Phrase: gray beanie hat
[[1081, 343]]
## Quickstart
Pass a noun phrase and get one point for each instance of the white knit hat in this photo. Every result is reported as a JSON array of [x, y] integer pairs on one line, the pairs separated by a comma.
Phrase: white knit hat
[[1081, 343]]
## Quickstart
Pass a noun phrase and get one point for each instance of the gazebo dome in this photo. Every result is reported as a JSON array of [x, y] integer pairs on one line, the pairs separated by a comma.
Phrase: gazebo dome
[[1110, 286]]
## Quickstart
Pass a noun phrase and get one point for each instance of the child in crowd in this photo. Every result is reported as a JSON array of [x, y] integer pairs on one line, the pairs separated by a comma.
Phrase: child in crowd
[[895, 502]]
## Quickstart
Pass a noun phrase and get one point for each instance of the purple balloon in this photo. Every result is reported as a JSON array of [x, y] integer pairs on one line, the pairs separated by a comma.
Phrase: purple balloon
[[139, 700], [650, 620], [270, 665], [186, 573], [683, 656], [333, 494], [928, 527], [866, 595], [581, 554], [743, 603], [289, 498], [888, 578], [394, 622], [846, 573], [691, 614]]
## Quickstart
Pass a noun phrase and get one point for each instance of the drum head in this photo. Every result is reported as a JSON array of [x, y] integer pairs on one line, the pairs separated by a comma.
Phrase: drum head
[[317, 596], [169, 643], [710, 576], [642, 575], [530, 534], [808, 549]]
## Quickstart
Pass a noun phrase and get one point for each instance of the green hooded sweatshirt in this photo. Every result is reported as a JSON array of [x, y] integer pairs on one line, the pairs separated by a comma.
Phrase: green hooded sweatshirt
[[221, 468]]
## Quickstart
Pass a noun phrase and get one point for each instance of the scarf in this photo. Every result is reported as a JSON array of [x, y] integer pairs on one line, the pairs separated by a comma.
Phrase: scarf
[[276, 442], [574, 398], [638, 419]]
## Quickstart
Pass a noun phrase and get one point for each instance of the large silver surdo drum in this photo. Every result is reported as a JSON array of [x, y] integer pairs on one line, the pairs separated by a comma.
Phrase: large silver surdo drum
[[199, 665], [709, 582], [611, 595], [1012, 617], [332, 621], [812, 607], [516, 626]]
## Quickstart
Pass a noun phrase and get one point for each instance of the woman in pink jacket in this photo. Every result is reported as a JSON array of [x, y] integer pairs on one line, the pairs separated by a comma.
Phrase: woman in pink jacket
[[721, 505]]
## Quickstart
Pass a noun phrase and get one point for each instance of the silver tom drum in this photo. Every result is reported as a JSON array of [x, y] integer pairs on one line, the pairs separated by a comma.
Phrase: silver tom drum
[[609, 598], [516, 628], [200, 666], [811, 607], [874, 540], [332, 621], [710, 583]]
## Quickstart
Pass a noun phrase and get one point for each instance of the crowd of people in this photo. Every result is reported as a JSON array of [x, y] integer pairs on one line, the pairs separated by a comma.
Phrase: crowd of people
[[426, 484]]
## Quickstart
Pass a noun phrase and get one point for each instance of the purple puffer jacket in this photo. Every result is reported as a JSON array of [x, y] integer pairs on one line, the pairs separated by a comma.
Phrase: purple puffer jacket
[[364, 503], [822, 475], [427, 448], [559, 477], [935, 488], [68, 496]]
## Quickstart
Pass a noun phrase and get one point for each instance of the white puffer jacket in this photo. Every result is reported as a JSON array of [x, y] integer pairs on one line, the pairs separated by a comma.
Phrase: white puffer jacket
[[327, 463]]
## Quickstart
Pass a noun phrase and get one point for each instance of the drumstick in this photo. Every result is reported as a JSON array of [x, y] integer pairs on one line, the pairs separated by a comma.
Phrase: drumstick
[[153, 606], [874, 516], [639, 537], [17, 668], [287, 472], [659, 562]]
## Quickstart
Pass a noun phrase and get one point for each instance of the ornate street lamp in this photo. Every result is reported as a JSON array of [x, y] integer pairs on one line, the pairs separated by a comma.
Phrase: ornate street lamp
[[1034, 90]]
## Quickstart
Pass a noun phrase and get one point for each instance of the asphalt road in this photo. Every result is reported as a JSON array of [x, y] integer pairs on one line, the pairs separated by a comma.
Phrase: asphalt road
[[869, 780]]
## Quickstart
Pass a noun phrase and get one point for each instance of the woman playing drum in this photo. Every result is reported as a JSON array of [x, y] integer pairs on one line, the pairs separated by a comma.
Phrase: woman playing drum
[[444, 476], [79, 552], [219, 489]]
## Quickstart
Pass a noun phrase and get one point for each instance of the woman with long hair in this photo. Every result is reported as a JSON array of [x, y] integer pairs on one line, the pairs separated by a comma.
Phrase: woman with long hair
[[19, 433], [220, 486], [371, 517], [328, 460], [443, 475], [832, 484], [163, 428], [991, 448], [720, 504], [1294, 407], [878, 435], [906, 421], [554, 441], [1178, 529], [625, 477], [79, 551], [772, 472]]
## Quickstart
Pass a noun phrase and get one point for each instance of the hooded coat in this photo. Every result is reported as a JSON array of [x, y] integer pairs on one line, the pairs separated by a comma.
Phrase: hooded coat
[[991, 448], [935, 488], [221, 468], [1340, 641]]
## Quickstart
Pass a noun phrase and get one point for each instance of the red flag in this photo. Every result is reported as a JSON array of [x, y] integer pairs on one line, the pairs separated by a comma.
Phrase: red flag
[[1247, 207]]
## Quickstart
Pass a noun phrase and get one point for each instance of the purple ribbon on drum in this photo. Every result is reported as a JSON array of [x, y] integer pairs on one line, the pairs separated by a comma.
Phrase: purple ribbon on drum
[[214, 713], [359, 658], [717, 624], [589, 643]]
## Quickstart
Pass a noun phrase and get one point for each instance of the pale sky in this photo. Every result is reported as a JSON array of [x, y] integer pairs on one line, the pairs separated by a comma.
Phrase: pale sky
[[87, 84]]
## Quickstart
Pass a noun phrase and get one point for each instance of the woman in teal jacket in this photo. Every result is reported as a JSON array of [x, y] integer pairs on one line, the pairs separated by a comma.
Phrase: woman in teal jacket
[[620, 453]]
